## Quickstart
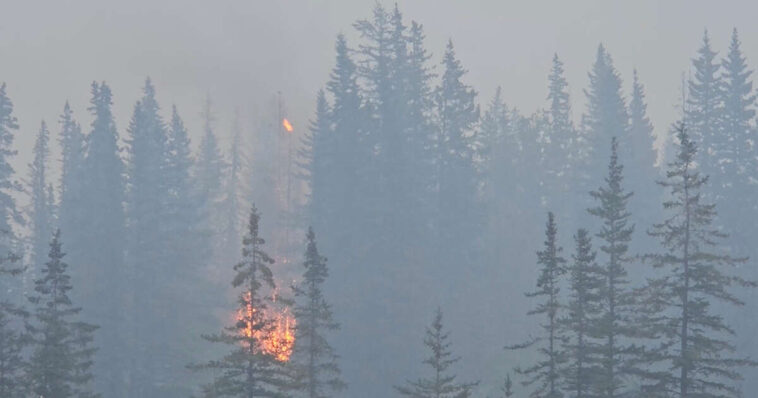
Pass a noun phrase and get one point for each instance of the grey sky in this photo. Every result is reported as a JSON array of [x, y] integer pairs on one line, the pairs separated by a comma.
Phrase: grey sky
[[242, 52]]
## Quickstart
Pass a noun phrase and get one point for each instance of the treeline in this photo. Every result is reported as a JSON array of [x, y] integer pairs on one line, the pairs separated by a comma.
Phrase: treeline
[[422, 201]]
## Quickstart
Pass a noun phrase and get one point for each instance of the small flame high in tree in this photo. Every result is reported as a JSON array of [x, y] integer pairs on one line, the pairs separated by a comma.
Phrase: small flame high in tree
[[314, 358], [695, 357], [442, 384], [249, 370]]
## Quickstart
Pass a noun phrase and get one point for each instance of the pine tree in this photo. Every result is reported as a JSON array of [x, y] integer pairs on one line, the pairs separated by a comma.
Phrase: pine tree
[[100, 247], [457, 219], [736, 185], [606, 115], [9, 186], [72, 145], [441, 383], [584, 308], [546, 372], [233, 188], [704, 105], [62, 356], [41, 216], [12, 339], [560, 151], [247, 370], [209, 175], [694, 355], [315, 359], [616, 325]]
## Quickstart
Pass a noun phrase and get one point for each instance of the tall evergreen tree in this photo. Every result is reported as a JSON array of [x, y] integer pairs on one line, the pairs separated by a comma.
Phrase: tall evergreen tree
[[441, 383], [41, 213], [209, 175], [694, 356], [606, 115], [316, 361], [616, 325], [248, 370], [100, 249], [12, 339], [546, 372], [233, 188], [72, 145], [584, 308], [704, 104], [60, 364], [458, 219], [562, 140]]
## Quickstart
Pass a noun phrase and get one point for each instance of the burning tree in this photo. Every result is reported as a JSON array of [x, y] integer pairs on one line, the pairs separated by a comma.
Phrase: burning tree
[[255, 366]]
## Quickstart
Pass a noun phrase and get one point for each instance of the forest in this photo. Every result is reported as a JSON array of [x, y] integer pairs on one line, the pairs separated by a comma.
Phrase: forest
[[414, 240]]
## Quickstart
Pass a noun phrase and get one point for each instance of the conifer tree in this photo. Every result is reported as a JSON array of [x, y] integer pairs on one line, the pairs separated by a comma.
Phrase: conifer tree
[[233, 188], [209, 175], [248, 371], [73, 148], [318, 374], [458, 219], [507, 388], [584, 309], [441, 383], [616, 324], [62, 357], [100, 245], [560, 151], [606, 115], [41, 213], [705, 105], [546, 372], [12, 339], [694, 355]]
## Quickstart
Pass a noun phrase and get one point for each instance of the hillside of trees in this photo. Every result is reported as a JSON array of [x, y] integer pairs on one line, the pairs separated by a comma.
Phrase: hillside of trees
[[416, 240]]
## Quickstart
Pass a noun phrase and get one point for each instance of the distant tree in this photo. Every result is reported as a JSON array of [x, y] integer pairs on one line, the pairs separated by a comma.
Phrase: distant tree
[[318, 374], [72, 144], [584, 308], [705, 105], [507, 388], [233, 190], [561, 148], [41, 213], [694, 355], [616, 326], [98, 247], [248, 370], [546, 372], [12, 339], [441, 383], [209, 177], [61, 361], [458, 219], [606, 114]]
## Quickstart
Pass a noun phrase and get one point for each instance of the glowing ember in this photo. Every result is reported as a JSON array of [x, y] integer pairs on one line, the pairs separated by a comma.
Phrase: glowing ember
[[287, 125], [279, 340]]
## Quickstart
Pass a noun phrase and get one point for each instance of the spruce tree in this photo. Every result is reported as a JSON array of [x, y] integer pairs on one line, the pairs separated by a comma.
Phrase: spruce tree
[[441, 383], [458, 219], [606, 114], [73, 148], [560, 152], [12, 339], [318, 373], [61, 361], [584, 308], [209, 175], [694, 355], [41, 214], [704, 105], [546, 372], [99, 250], [248, 371], [616, 325], [233, 190]]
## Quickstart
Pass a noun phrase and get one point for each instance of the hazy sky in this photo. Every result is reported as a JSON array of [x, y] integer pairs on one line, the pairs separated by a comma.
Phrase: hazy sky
[[243, 52]]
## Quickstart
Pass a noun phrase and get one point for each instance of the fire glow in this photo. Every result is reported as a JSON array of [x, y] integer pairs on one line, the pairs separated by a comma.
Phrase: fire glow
[[279, 340], [287, 125]]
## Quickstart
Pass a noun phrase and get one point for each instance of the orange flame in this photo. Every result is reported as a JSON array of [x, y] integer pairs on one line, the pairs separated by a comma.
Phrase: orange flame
[[287, 125], [280, 339]]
